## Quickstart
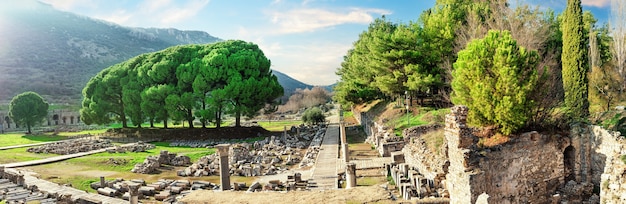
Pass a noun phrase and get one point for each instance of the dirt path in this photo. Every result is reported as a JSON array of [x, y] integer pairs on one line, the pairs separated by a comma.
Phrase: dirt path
[[370, 194]]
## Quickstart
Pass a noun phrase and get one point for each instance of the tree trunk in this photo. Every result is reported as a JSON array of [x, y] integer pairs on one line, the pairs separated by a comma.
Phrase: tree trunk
[[218, 117], [204, 119], [28, 126], [190, 118], [238, 118], [165, 123], [151, 123]]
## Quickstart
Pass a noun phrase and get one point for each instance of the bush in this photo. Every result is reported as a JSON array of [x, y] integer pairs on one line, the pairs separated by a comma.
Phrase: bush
[[494, 78], [313, 116]]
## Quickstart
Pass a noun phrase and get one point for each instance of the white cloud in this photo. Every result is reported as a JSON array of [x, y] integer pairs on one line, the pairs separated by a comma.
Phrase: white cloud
[[596, 3], [147, 13], [313, 63], [120, 17], [68, 5], [308, 20]]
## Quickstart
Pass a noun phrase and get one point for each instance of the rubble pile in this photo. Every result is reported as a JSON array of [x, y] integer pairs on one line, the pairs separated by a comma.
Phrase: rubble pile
[[151, 163], [164, 190], [265, 157], [135, 147], [13, 193], [71, 147]]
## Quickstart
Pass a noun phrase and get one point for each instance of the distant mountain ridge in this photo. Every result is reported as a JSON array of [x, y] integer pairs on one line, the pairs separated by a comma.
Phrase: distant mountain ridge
[[55, 53]]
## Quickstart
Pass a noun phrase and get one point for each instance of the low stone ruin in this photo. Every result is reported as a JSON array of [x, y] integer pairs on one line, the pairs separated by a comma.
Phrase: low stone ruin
[[164, 190], [135, 147], [13, 193], [71, 146], [294, 182], [266, 157], [152, 163]]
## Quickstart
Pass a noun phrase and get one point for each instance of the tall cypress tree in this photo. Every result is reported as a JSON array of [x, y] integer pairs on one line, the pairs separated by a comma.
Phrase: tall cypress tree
[[574, 60]]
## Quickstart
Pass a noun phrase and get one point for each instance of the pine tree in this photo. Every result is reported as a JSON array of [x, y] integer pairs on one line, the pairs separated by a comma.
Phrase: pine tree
[[574, 60]]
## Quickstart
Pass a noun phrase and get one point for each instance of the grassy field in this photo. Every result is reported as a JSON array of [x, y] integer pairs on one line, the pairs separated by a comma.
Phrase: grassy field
[[80, 172], [11, 139], [279, 125], [20, 155]]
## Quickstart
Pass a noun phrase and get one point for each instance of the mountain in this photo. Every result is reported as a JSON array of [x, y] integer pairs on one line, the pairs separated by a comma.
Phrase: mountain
[[55, 53], [289, 84]]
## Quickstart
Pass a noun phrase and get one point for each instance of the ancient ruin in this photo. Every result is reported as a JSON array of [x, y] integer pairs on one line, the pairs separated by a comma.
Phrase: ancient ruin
[[582, 167]]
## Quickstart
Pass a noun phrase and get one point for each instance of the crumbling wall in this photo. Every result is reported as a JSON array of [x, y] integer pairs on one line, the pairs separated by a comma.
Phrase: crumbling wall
[[528, 169], [608, 171], [433, 165]]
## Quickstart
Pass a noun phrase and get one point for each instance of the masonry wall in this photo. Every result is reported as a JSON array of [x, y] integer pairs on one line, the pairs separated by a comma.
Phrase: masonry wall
[[527, 170]]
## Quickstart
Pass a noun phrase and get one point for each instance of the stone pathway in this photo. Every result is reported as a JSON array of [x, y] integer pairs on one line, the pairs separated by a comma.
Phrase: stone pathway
[[365, 163], [325, 170], [53, 188]]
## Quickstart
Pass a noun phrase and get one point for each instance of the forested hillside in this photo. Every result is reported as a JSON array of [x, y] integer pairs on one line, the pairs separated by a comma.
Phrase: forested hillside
[[54, 53]]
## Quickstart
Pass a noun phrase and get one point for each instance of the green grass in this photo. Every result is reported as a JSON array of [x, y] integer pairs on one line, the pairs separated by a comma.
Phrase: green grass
[[426, 116], [279, 125], [406, 121], [20, 155], [133, 158], [12, 139], [347, 114], [369, 181]]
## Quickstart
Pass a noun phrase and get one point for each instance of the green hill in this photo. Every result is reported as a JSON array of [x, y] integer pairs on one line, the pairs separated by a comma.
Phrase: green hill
[[54, 53]]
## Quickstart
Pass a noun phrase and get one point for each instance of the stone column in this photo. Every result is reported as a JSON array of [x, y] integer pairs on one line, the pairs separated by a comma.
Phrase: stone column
[[284, 139], [344, 142], [133, 191], [224, 167], [1, 171], [20, 179], [102, 182], [350, 175]]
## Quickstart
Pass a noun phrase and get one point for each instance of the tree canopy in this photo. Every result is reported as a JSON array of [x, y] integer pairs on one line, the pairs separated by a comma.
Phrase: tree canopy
[[28, 109], [574, 58], [183, 83]]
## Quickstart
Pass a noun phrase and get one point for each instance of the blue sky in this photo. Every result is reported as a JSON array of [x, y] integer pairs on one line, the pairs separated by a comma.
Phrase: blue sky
[[305, 39]]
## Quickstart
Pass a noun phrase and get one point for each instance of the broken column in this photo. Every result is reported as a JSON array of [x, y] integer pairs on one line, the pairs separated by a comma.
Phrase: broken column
[[350, 175], [102, 182], [224, 167], [284, 139], [20, 179], [1, 171], [344, 142], [133, 190]]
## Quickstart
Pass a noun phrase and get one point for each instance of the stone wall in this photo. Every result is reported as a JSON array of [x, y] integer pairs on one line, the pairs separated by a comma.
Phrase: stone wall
[[433, 165], [528, 169], [606, 171]]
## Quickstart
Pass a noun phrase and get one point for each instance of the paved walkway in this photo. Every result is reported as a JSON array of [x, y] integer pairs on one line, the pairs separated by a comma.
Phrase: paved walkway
[[325, 169], [53, 188]]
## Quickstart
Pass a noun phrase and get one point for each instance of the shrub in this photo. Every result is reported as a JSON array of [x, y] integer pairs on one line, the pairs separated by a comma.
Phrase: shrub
[[313, 116], [494, 77]]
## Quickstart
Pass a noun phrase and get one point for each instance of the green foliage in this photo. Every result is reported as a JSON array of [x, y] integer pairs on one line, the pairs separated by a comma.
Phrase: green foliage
[[494, 77], [313, 116], [183, 83], [387, 60], [574, 60], [28, 109]]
